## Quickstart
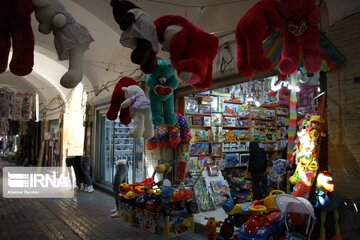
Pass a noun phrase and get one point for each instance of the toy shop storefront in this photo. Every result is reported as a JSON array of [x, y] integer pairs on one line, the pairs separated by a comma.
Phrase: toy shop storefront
[[286, 116], [202, 164]]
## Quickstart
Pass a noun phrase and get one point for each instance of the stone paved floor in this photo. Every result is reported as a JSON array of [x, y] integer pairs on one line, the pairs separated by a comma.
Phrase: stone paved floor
[[86, 216]]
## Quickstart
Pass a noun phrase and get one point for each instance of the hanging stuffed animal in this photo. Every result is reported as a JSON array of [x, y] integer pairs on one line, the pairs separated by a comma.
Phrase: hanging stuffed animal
[[16, 31], [71, 39], [162, 83], [192, 50], [297, 21], [255, 26], [140, 111], [139, 33], [117, 98], [301, 36]]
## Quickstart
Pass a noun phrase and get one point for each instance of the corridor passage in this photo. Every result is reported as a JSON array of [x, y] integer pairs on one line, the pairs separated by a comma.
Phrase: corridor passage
[[86, 216]]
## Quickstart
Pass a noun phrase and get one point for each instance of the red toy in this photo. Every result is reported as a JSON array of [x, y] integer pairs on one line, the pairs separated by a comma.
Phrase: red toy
[[297, 21], [117, 98], [181, 195], [15, 29], [301, 35], [192, 50], [255, 26]]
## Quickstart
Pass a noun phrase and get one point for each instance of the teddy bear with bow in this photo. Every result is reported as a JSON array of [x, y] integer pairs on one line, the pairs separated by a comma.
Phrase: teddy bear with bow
[[71, 39], [139, 107], [16, 31], [192, 50], [162, 83], [139, 33]]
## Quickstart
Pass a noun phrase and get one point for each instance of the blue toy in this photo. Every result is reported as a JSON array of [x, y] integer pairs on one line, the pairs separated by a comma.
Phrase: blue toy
[[162, 83], [166, 192]]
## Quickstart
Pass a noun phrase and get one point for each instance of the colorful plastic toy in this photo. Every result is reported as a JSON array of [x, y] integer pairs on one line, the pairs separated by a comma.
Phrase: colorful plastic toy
[[266, 221], [236, 217], [212, 226]]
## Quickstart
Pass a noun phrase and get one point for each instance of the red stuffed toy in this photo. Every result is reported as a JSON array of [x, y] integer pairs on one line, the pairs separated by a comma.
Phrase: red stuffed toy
[[301, 35], [15, 29], [255, 26], [297, 21], [117, 98], [192, 50]]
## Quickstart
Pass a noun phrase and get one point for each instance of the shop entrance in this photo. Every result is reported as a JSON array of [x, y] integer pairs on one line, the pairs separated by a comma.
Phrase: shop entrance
[[114, 144]]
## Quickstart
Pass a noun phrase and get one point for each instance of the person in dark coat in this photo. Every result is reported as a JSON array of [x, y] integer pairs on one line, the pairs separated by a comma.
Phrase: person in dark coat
[[257, 169]]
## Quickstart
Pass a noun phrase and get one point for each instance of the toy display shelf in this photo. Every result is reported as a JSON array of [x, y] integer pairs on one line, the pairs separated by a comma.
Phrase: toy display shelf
[[199, 126], [255, 122], [233, 115], [201, 114], [236, 127], [269, 128], [234, 151]]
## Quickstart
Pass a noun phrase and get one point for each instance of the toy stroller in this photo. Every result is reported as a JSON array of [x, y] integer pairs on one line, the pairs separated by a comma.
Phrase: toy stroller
[[299, 214], [278, 173]]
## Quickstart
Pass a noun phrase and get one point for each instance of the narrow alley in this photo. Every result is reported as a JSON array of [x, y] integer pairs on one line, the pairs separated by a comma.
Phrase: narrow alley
[[86, 216]]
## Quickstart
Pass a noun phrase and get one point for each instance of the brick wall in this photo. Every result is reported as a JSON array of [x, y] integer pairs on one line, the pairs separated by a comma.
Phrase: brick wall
[[343, 102]]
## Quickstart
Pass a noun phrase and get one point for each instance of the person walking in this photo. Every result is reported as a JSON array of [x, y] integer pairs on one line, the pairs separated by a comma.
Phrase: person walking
[[257, 169]]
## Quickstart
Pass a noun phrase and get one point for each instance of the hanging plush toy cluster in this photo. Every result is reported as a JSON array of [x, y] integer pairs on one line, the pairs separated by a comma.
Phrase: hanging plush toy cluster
[[192, 52], [298, 24], [307, 156]]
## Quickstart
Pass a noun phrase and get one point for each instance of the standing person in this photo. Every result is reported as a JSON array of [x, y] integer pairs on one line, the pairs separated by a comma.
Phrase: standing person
[[86, 165], [120, 177], [257, 169]]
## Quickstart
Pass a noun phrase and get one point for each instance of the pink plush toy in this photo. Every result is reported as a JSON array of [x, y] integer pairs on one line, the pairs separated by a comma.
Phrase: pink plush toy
[[192, 50], [301, 35]]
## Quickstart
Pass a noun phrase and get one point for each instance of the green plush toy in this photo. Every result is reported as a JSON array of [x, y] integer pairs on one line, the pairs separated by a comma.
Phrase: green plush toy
[[162, 83]]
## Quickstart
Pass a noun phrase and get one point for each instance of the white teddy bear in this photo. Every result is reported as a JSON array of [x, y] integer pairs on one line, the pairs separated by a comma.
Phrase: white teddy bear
[[140, 111], [71, 39]]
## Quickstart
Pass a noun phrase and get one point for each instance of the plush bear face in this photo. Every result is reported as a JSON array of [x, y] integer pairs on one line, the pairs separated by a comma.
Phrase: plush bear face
[[164, 70], [120, 8], [132, 90], [296, 9]]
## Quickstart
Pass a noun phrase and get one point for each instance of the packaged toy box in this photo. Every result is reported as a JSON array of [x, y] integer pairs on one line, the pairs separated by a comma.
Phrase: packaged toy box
[[139, 217], [175, 225], [150, 221], [127, 212]]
